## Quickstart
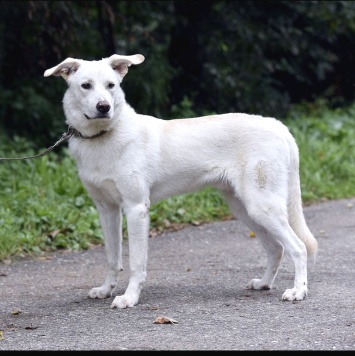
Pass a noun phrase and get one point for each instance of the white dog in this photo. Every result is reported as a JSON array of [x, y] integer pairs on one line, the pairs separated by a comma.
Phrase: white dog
[[128, 161]]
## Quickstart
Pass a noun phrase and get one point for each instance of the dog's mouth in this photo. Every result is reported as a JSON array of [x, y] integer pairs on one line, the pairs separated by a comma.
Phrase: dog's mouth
[[98, 117]]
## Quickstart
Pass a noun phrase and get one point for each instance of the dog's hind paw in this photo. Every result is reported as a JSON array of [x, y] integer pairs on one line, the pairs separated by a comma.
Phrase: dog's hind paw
[[100, 292], [258, 284], [295, 294]]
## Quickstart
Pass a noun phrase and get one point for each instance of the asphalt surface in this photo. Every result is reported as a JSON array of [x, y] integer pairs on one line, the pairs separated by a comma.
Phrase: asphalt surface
[[196, 276]]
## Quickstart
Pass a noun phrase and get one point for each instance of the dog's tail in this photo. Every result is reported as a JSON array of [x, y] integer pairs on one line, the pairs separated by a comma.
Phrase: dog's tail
[[295, 210]]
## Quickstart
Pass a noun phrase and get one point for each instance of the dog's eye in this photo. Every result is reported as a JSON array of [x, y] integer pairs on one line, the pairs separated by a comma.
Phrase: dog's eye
[[111, 85], [86, 86]]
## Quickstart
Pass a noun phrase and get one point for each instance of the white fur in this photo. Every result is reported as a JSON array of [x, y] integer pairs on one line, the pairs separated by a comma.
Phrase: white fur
[[252, 160]]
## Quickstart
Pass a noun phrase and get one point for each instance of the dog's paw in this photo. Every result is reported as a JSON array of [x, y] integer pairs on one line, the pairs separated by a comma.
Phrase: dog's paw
[[295, 294], [257, 284], [100, 292], [123, 301]]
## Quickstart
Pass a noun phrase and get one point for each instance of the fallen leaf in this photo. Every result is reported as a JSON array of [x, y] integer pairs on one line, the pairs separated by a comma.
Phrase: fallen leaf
[[54, 233], [252, 234], [164, 320], [16, 311], [1, 335]]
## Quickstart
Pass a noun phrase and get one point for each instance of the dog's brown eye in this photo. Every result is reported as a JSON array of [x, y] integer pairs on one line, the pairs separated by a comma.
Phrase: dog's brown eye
[[86, 86], [111, 85]]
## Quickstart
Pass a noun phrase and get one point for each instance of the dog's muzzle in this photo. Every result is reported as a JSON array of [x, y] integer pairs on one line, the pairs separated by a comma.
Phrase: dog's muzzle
[[103, 107]]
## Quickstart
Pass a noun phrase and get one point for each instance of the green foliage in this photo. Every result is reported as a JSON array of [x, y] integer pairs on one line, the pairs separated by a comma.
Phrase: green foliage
[[326, 141], [262, 57], [33, 114], [223, 56], [44, 206]]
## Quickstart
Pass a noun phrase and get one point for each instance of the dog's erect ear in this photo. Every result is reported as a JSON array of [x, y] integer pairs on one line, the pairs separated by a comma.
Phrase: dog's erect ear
[[64, 69], [120, 63]]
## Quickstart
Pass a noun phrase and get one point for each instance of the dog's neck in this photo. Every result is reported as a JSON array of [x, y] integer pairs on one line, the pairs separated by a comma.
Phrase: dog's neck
[[76, 133]]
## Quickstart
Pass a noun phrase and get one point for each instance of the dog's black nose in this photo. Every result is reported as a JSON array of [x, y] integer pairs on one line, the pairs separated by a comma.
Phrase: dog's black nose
[[103, 107]]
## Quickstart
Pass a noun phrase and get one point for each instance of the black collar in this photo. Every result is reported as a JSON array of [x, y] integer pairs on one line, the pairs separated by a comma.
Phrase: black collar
[[76, 133]]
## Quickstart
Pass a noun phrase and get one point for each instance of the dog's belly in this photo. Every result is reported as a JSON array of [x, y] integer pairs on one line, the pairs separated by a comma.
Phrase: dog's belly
[[188, 182], [168, 188]]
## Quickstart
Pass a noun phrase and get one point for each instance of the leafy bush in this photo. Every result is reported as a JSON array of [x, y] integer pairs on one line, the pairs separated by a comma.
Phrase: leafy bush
[[245, 56], [326, 140]]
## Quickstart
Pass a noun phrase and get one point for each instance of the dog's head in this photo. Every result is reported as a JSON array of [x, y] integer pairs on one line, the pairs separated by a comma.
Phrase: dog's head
[[94, 96]]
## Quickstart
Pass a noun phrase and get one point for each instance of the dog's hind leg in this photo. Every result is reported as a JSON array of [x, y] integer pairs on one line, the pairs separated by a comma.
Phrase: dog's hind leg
[[273, 248], [138, 233], [271, 214], [275, 251], [111, 224]]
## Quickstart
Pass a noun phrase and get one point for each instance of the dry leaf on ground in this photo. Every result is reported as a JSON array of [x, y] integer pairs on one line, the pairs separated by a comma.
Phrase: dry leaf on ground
[[164, 320], [16, 311]]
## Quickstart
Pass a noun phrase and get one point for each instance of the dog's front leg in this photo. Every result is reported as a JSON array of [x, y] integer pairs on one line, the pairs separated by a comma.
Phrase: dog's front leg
[[138, 231], [111, 224]]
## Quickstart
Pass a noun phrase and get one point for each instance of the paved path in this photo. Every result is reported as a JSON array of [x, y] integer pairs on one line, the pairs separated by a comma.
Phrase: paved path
[[197, 277]]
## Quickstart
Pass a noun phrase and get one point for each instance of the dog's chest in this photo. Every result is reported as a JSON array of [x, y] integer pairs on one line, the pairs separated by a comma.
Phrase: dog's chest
[[98, 169]]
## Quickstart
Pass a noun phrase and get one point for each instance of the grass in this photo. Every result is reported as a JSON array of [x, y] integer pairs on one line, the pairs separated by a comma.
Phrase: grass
[[44, 206], [326, 140]]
